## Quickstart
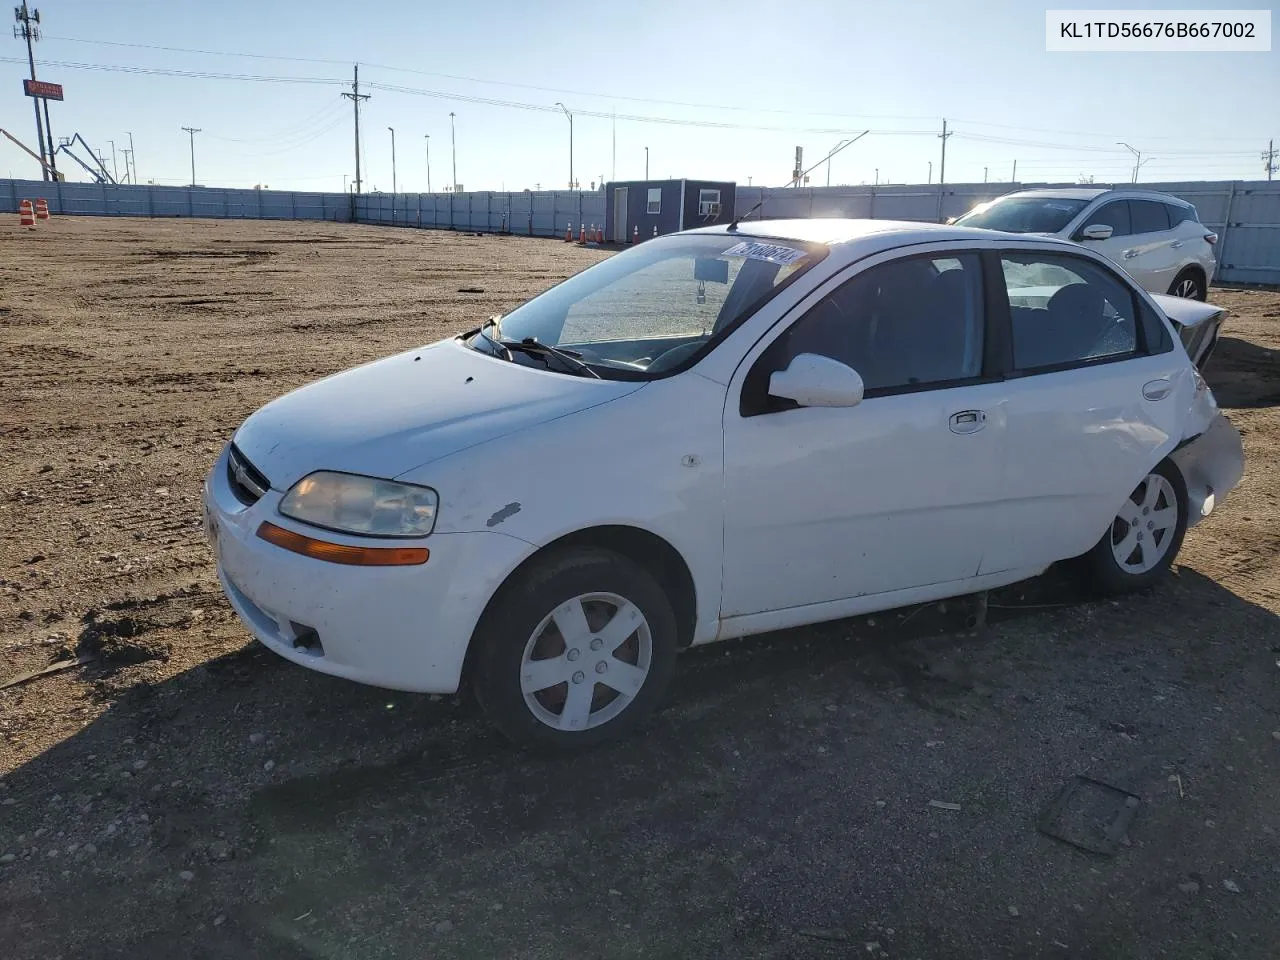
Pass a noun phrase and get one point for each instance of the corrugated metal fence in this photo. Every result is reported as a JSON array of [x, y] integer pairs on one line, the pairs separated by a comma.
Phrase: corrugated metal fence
[[144, 200], [1246, 214]]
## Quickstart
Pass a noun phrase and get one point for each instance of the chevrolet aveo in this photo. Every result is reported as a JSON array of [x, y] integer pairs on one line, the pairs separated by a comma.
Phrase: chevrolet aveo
[[716, 433]]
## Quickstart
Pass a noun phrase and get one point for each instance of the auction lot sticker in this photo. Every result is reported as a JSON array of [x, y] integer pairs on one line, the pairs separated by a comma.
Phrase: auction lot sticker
[[1137, 31]]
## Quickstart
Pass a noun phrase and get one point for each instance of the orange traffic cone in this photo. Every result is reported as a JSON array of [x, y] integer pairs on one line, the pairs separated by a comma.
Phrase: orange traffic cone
[[27, 215], [42, 210], [568, 233], [635, 234], [582, 233], [600, 234]]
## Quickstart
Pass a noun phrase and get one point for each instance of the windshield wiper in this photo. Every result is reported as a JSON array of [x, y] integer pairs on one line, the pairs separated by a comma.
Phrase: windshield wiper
[[492, 331], [538, 348], [496, 338]]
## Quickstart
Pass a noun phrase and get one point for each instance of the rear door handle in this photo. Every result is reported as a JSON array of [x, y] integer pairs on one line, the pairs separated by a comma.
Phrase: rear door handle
[[1130, 254], [1176, 244], [1157, 389], [967, 421]]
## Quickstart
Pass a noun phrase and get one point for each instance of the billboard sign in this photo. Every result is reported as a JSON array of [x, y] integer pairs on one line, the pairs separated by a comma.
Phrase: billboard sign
[[42, 89]]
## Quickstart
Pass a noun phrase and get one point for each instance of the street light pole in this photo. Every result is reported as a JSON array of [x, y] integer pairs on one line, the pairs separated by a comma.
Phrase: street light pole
[[834, 151], [393, 166], [646, 163], [115, 171], [453, 142], [427, 137], [570, 116], [1137, 158], [133, 161], [191, 132]]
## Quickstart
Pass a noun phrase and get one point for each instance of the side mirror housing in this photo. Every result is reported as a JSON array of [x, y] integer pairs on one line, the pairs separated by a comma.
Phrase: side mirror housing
[[812, 380], [1096, 231]]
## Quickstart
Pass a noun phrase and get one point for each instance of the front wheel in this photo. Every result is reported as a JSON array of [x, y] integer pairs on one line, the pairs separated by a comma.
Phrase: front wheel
[[1142, 540], [577, 650]]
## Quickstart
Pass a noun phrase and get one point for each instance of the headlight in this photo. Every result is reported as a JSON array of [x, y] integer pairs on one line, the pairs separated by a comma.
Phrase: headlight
[[365, 506]]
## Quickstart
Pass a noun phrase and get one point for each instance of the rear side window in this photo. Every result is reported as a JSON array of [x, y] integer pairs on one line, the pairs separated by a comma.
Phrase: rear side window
[[1155, 331], [1066, 311], [1178, 213], [1114, 215], [1148, 216]]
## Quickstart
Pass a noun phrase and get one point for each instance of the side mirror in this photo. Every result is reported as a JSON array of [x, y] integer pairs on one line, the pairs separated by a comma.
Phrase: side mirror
[[816, 381], [1096, 231]]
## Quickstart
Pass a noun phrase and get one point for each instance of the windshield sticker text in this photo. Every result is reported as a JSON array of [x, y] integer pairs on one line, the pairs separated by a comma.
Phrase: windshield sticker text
[[764, 251]]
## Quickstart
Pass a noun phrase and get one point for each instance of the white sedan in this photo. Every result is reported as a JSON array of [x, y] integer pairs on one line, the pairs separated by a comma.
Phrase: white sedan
[[716, 433]]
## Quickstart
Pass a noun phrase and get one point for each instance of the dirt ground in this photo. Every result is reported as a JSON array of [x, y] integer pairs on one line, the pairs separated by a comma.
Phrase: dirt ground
[[183, 792]]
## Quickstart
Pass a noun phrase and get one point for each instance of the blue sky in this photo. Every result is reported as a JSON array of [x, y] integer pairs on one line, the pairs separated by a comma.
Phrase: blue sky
[[815, 73]]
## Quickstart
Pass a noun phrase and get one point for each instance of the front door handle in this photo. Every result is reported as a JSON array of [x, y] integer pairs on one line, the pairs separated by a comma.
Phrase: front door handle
[[1176, 244], [1157, 389], [967, 421]]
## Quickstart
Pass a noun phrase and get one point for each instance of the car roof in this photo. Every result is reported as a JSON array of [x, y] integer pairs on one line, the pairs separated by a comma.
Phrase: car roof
[[1092, 193], [882, 234]]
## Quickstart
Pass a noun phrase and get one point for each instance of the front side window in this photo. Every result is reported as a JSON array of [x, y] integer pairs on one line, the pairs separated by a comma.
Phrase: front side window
[[1065, 311], [1114, 215], [1024, 214], [655, 306], [901, 325], [655, 200]]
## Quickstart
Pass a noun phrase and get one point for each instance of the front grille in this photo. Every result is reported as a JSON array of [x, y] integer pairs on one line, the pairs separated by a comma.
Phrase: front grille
[[247, 482]]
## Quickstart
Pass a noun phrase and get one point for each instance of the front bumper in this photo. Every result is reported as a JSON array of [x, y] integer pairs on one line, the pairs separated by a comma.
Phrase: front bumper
[[406, 628], [1211, 465]]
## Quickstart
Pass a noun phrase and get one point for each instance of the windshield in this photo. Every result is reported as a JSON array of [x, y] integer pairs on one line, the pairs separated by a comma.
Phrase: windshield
[[654, 307], [1024, 214]]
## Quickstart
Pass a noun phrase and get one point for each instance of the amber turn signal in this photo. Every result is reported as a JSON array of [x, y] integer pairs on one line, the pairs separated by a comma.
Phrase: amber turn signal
[[340, 553]]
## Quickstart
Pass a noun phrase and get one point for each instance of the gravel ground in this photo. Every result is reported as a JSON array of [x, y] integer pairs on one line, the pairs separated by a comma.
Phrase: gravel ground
[[186, 793]]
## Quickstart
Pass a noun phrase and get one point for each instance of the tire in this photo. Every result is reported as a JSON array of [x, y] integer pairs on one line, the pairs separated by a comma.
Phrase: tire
[[1135, 553], [558, 613], [1189, 284]]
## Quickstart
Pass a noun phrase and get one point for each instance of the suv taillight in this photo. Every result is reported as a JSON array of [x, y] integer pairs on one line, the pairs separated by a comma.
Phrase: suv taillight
[[1211, 237]]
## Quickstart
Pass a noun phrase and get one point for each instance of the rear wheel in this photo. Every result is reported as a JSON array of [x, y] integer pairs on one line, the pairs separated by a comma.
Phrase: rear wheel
[[1189, 284], [577, 650], [1141, 542]]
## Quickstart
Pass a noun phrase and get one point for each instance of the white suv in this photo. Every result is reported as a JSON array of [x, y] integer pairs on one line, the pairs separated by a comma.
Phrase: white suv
[[1158, 239]]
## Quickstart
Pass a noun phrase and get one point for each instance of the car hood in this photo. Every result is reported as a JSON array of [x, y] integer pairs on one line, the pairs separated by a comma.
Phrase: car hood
[[387, 417]]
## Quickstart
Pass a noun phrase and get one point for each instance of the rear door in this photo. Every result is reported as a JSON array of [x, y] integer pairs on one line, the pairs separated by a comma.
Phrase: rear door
[[1091, 405], [1155, 259]]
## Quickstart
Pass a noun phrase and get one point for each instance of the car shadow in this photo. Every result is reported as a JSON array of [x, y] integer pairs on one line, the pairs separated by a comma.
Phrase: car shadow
[[1243, 374], [251, 808]]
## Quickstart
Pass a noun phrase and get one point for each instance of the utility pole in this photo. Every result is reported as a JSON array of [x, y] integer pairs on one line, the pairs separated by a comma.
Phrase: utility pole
[[613, 170], [1137, 159], [1014, 178], [877, 183], [115, 171], [646, 163], [427, 137], [355, 96], [393, 163], [128, 163], [191, 132], [984, 174], [132, 163], [570, 116], [930, 180], [453, 143], [25, 31], [942, 166], [1269, 158]]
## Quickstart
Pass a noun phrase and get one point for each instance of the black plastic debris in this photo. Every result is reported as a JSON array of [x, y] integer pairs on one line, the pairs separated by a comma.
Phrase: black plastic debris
[[1090, 815]]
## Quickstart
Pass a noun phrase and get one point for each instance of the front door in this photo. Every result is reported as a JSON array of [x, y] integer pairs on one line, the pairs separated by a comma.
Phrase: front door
[[619, 215], [824, 504]]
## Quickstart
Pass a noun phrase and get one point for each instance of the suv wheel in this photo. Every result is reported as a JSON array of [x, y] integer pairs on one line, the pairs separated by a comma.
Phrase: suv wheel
[[1189, 284]]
